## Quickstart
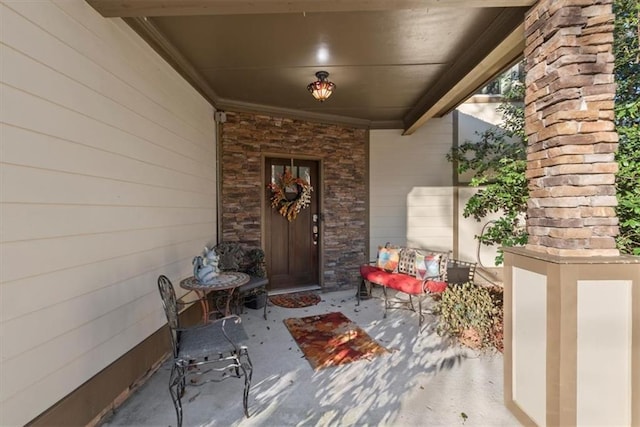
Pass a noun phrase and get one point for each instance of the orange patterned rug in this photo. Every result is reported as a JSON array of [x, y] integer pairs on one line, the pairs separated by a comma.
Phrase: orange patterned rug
[[295, 300], [332, 339]]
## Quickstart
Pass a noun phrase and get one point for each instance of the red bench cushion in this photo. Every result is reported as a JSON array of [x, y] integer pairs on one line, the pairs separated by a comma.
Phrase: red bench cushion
[[435, 287], [398, 281]]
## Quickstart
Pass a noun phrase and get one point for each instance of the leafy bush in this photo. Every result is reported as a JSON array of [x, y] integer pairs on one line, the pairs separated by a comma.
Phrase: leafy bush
[[626, 46], [471, 313]]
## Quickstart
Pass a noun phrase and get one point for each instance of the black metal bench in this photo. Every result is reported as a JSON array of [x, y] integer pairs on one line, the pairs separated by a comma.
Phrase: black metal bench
[[403, 279]]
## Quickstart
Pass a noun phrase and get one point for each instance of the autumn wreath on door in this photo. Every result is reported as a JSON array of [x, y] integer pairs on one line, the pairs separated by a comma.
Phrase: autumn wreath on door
[[290, 194]]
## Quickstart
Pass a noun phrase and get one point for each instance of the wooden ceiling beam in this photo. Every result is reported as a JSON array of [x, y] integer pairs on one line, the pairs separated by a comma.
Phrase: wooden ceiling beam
[[505, 54], [140, 8]]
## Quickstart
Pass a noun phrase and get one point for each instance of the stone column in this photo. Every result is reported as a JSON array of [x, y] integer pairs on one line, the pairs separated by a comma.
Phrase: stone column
[[569, 123], [571, 302]]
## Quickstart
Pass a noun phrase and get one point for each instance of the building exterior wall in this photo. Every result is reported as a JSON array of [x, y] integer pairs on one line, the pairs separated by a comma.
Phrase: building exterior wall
[[411, 193], [246, 139], [108, 180]]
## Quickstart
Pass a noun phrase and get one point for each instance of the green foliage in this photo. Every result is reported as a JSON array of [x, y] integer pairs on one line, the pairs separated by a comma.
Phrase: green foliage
[[468, 307], [628, 190], [626, 53], [507, 194], [498, 164], [627, 119]]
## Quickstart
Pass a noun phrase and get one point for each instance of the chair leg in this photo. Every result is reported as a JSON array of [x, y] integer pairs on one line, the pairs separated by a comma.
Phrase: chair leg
[[247, 369], [266, 303], [361, 288], [177, 383], [386, 301], [238, 304], [237, 366], [363, 291], [420, 315]]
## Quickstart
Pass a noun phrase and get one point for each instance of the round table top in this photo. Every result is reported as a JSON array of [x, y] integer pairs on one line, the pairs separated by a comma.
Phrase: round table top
[[225, 280]]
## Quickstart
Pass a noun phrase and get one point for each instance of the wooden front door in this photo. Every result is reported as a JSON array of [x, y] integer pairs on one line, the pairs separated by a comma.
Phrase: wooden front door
[[292, 246]]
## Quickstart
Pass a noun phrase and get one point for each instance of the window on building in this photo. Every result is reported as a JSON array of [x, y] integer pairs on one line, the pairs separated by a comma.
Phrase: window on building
[[504, 82]]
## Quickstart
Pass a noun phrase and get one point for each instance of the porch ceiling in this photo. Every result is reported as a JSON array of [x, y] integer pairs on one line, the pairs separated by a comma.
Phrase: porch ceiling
[[395, 63]]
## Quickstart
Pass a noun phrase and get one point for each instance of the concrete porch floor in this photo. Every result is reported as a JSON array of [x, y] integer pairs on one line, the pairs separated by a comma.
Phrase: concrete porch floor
[[424, 380]]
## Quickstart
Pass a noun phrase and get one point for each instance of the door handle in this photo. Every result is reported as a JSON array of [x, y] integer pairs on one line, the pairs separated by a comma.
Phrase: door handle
[[315, 229]]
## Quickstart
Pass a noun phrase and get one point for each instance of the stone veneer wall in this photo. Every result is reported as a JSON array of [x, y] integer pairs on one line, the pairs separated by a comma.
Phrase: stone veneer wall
[[569, 123], [343, 150]]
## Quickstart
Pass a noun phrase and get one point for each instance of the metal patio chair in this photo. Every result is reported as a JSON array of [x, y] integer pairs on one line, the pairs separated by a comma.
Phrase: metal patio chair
[[210, 352]]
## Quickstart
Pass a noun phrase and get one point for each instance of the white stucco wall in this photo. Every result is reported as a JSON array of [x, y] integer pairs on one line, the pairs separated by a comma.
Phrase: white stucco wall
[[107, 180], [529, 343], [604, 350], [411, 194], [477, 117]]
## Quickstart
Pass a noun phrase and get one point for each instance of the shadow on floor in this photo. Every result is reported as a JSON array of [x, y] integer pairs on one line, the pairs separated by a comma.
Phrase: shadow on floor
[[424, 379]]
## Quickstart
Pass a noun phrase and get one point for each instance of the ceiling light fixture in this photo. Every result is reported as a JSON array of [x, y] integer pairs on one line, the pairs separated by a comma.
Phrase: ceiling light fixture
[[322, 88]]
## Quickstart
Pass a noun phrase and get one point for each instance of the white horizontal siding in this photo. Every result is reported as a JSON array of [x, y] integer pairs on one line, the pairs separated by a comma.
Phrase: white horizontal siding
[[107, 179], [81, 282], [74, 251], [411, 197], [35, 151]]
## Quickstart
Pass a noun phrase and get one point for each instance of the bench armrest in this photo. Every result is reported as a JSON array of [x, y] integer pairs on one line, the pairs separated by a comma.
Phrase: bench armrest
[[459, 272]]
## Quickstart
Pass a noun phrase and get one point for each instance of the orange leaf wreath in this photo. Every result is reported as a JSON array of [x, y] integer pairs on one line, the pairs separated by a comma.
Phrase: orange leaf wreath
[[290, 208]]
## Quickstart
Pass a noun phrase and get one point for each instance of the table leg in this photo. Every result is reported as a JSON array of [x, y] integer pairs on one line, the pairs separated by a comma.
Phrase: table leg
[[227, 309], [204, 303], [222, 300]]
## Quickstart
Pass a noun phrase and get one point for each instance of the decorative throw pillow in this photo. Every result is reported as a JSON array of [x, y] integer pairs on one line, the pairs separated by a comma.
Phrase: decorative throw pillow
[[427, 265], [388, 259], [407, 263]]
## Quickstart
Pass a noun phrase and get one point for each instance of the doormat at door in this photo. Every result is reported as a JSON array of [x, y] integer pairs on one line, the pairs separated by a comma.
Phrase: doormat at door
[[295, 300], [332, 339]]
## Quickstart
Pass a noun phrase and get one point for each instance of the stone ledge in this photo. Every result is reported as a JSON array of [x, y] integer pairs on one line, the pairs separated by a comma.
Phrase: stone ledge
[[621, 259]]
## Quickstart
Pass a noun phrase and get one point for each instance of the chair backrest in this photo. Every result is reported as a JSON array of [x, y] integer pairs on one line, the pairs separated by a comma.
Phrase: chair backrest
[[234, 257], [170, 305], [459, 272]]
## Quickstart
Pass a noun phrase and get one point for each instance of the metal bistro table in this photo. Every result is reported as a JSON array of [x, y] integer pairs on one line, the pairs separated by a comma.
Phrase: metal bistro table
[[228, 281]]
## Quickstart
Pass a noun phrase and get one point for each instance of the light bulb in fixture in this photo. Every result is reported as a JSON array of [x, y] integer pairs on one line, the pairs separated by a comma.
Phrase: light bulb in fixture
[[322, 88]]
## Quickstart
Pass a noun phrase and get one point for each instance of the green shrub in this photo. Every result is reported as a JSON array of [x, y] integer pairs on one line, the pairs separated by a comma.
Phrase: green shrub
[[626, 47], [470, 313]]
